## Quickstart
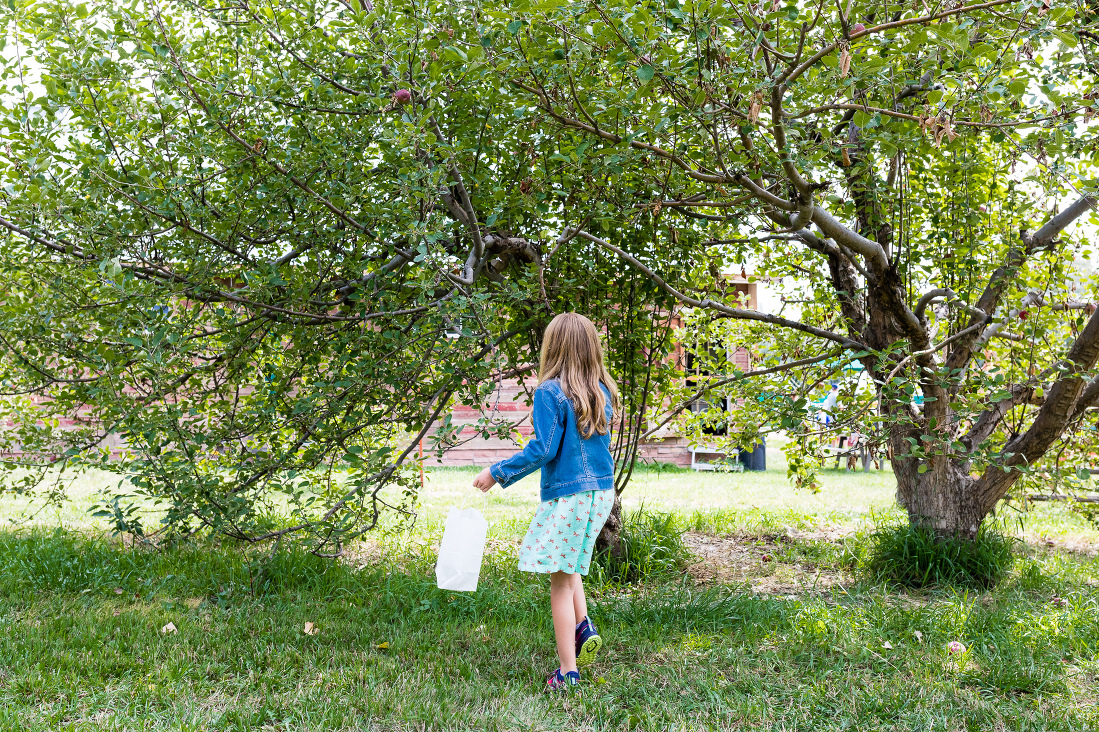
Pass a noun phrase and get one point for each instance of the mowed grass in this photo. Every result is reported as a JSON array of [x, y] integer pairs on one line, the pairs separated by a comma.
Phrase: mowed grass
[[81, 615]]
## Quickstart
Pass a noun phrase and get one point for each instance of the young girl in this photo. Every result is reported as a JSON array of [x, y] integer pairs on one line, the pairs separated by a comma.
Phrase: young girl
[[574, 405]]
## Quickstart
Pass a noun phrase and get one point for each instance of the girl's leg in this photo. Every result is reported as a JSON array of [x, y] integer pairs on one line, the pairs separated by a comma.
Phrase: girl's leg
[[564, 619], [579, 601]]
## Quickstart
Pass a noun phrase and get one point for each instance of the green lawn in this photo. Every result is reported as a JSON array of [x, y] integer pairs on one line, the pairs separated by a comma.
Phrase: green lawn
[[81, 645]]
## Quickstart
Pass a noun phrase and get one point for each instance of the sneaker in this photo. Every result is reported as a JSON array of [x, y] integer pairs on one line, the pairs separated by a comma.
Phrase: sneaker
[[588, 643], [558, 683]]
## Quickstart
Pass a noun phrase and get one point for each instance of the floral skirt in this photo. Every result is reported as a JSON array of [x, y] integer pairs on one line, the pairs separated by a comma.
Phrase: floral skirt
[[562, 535]]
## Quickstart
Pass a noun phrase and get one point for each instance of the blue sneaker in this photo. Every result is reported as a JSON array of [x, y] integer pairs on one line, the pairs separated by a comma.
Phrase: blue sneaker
[[588, 643], [558, 683]]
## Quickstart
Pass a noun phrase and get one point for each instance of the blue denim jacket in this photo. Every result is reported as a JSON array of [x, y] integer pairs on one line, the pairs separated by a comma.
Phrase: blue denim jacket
[[570, 464]]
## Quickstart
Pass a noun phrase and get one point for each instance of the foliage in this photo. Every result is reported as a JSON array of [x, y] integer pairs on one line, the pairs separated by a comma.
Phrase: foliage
[[912, 171], [239, 235], [245, 251], [916, 556]]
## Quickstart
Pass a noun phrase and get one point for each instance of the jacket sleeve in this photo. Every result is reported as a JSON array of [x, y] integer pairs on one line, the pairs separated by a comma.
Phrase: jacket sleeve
[[548, 417]]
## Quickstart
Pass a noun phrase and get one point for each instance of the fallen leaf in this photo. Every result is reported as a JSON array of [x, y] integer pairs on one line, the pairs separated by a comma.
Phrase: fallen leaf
[[116, 613], [383, 646], [118, 590], [311, 629], [919, 635], [887, 645], [169, 629]]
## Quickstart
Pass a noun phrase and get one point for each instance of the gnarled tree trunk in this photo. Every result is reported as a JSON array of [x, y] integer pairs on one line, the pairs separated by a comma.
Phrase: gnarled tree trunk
[[941, 498]]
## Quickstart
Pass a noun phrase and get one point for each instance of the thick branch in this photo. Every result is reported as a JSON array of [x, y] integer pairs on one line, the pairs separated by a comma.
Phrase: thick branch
[[868, 248], [990, 418], [1005, 273], [1060, 406]]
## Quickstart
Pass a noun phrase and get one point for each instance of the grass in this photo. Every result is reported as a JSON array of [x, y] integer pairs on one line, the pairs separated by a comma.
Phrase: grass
[[915, 556], [81, 647], [650, 545]]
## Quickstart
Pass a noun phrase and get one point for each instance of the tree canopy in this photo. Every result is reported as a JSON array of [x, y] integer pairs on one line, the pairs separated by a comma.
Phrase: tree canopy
[[239, 234], [241, 239]]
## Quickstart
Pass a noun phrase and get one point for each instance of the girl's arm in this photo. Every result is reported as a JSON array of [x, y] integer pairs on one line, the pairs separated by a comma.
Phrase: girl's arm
[[548, 417]]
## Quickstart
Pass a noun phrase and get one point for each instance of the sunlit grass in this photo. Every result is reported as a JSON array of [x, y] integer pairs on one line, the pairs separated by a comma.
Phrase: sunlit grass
[[82, 648], [81, 614], [718, 502]]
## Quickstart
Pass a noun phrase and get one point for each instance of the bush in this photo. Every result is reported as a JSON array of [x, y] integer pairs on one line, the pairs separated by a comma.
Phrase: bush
[[651, 545], [916, 556]]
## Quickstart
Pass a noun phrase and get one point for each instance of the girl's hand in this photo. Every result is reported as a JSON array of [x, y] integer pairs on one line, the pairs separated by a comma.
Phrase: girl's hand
[[484, 480]]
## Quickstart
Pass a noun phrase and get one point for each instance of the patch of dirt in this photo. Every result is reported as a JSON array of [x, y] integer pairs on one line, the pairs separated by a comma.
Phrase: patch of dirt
[[758, 561], [1072, 545]]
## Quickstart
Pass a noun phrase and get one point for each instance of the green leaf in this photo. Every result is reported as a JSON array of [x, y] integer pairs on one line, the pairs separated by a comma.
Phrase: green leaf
[[645, 73], [1066, 38]]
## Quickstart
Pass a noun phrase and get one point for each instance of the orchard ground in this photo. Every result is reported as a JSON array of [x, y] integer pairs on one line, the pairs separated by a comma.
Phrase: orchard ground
[[765, 624]]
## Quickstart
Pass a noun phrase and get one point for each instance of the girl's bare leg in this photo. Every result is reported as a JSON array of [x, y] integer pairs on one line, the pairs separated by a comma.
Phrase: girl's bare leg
[[564, 619], [579, 600]]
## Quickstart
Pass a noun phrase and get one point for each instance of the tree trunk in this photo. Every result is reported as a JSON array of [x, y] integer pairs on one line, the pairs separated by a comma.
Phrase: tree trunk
[[610, 536], [942, 498]]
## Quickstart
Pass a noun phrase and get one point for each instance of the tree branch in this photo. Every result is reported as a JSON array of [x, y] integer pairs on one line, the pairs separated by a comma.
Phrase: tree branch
[[740, 377], [738, 313]]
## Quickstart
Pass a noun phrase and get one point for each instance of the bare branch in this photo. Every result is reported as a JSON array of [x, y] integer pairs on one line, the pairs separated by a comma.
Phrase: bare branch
[[1045, 235], [793, 74], [739, 377]]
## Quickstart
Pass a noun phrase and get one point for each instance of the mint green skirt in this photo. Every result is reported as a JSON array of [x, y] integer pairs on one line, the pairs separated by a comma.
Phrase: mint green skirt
[[562, 534]]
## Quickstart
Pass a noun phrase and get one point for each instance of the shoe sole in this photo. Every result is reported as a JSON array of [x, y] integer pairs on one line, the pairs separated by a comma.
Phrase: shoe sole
[[586, 656]]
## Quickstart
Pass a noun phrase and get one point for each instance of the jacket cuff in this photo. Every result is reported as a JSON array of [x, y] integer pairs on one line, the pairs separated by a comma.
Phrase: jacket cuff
[[498, 475]]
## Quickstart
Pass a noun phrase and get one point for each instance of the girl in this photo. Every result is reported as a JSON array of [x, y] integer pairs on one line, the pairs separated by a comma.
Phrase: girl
[[574, 405]]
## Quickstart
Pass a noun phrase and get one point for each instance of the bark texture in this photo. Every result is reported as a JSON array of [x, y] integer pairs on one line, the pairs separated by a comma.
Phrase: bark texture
[[610, 537]]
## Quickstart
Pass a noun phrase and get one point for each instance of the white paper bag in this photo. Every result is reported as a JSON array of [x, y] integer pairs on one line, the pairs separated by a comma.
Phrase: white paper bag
[[461, 550]]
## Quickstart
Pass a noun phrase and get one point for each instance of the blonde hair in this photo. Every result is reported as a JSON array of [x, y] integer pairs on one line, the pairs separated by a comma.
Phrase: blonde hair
[[572, 354]]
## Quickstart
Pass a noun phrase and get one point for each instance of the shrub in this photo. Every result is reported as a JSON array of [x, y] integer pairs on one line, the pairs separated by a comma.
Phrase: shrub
[[915, 556], [651, 545]]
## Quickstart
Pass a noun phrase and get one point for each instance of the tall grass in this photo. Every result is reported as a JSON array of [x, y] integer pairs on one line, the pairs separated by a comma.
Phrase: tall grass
[[916, 556], [651, 545]]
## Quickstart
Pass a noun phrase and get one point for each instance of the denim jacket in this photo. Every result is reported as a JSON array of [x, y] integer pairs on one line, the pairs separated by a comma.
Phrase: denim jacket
[[570, 464]]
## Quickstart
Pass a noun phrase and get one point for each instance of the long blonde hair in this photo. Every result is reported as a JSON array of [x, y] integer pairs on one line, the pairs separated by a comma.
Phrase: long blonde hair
[[572, 353]]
